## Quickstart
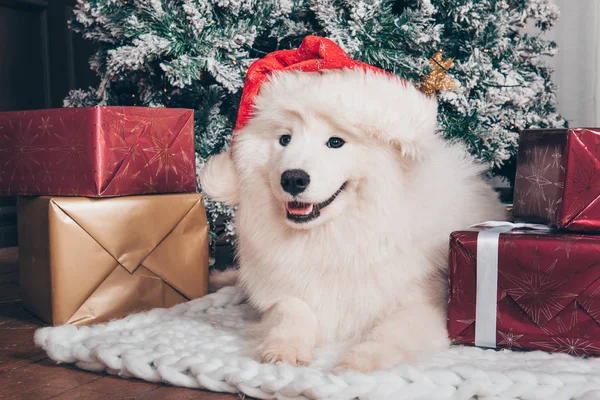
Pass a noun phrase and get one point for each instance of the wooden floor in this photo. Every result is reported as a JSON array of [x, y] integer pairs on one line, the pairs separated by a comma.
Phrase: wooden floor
[[26, 373]]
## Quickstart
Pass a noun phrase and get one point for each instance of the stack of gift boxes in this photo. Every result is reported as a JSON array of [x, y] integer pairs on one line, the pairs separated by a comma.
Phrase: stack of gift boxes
[[533, 284], [109, 218]]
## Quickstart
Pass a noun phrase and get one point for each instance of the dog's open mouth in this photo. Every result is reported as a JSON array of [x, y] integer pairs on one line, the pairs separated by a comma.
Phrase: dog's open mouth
[[304, 212]]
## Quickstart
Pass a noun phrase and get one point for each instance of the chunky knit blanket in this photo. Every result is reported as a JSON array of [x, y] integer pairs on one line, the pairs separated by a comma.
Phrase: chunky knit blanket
[[200, 344]]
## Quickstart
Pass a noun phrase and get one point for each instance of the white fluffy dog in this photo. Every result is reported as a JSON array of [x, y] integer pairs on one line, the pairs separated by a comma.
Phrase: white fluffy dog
[[347, 197]]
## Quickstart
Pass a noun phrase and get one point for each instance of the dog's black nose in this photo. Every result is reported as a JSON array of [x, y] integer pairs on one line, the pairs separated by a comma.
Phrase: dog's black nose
[[294, 181]]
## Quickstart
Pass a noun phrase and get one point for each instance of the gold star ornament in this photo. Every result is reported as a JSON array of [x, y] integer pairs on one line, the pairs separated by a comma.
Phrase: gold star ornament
[[438, 79]]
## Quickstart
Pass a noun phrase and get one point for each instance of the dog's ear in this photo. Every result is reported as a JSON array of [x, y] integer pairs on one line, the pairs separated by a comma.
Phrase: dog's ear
[[410, 149], [219, 179], [411, 137], [413, 129], [396, 114]]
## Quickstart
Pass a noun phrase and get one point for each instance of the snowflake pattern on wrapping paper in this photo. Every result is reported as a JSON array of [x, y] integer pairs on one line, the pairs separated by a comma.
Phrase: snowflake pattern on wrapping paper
[[572, 344], [458, 251], [164, 156], [499, 314], [74, 190], [456, 291], [150, 187], [557, 158], [591, 305], [21, 153], [510, 340], [584, 181], [124, 175], [520, 201], [181, 184], [45, 126], [46, 172], [536, 291], [567, 244], [124, 178], [155, 122], [562, 326], [119, 133], [537, 179], [539, 182], [72, 149], [509, 244], [187, 165], [596, 143], [552, 208], [518, 197]]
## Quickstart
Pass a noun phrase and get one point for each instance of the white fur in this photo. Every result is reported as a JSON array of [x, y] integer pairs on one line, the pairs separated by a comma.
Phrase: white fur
[[220, 279], [371, 268], [218, 179]]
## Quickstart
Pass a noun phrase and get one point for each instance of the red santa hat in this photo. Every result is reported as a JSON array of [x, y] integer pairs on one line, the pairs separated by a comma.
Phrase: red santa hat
[[314, 54]]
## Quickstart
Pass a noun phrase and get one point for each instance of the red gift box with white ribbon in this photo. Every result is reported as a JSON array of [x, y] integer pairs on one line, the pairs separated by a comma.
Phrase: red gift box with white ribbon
[[524, 287]]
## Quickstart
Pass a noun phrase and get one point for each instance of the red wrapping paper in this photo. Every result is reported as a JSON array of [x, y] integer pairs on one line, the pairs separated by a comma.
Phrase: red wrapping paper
[[558, 178], [97, 151], [548, 285]]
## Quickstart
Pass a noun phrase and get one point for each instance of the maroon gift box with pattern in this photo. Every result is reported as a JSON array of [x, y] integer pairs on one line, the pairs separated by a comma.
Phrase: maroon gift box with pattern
[[558, 178], [547, 291], [97, 151]]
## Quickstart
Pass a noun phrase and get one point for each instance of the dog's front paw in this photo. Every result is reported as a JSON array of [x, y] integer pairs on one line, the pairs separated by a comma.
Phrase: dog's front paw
[[286, 351], [368, 357], [356, 361]]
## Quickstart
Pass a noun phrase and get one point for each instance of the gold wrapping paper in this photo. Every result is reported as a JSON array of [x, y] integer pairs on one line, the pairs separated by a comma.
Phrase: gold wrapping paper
[[86, 260]]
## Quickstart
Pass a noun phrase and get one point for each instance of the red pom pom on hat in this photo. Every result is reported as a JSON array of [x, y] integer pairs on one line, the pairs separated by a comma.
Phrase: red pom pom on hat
[[314, 54]]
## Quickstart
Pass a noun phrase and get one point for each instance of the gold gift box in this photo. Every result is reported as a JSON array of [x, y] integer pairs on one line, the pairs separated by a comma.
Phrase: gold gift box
[[86, 260]]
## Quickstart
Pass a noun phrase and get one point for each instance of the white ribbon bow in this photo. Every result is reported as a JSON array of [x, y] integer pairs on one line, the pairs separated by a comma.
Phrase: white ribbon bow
[[487, 277]]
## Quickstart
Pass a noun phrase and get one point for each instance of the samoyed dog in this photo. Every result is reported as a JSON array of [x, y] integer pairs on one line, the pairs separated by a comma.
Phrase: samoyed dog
[[346, 199]]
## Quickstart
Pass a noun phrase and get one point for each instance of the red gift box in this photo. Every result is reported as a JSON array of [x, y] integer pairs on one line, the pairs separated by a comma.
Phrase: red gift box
[[97, 151], [558, 178], [546, 293]]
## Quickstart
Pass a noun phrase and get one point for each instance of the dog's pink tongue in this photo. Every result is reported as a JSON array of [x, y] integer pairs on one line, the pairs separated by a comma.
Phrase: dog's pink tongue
[[299, 209]]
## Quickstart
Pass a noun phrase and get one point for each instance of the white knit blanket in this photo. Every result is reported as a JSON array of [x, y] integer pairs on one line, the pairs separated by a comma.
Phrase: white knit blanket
[[199, 345]]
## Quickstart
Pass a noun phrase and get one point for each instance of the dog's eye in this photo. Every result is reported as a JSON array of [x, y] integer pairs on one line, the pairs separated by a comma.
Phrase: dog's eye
[[335, 143], [284, 140]]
